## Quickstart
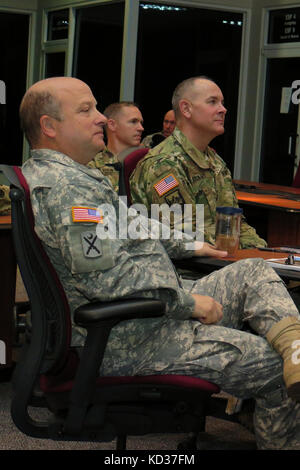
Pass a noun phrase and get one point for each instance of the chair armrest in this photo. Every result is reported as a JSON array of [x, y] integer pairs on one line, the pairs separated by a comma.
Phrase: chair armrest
[[99, 318], [119, 310]]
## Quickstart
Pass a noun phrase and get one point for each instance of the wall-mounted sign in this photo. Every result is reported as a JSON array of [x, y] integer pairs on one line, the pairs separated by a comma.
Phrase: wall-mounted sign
[[284, 26]]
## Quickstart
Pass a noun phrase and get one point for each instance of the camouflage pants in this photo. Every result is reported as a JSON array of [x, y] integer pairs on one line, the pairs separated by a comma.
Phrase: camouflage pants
[[239, 362], [242, 363]]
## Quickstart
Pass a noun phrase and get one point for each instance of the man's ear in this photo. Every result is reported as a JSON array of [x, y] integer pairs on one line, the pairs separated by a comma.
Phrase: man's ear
[[185, 108], [47, 124], [111, 124]]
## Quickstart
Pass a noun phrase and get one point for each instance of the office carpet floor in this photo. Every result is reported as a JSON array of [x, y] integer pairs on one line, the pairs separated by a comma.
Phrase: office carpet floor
[[235, 435]]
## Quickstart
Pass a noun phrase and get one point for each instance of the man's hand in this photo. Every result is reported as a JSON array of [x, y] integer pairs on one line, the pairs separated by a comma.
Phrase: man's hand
[[205, 249], [207, 310]]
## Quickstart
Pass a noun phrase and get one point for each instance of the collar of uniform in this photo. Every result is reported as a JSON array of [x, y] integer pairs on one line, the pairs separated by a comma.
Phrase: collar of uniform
[[202, 159], [58, 157], [105, 156]]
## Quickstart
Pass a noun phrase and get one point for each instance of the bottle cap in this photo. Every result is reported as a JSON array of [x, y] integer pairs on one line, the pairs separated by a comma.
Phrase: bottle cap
[[229, 210]]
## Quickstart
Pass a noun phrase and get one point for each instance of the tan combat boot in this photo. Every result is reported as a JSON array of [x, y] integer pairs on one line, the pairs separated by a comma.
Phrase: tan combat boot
[[284, 337]]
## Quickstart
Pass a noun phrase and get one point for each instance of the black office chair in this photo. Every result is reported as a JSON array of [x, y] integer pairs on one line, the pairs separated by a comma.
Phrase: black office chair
[[50, 375]]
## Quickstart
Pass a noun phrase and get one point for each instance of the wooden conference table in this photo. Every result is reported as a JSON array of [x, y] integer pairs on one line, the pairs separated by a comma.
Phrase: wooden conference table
[[207, 264], [273, 210], [7, 292]]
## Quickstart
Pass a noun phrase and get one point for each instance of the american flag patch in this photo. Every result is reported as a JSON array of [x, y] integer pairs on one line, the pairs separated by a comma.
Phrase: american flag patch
[[164, 185], [86, 214]]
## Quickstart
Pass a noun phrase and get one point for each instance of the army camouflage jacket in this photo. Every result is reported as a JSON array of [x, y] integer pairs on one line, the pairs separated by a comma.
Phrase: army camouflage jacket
[[193, 177], [103, 161], [114, 269]]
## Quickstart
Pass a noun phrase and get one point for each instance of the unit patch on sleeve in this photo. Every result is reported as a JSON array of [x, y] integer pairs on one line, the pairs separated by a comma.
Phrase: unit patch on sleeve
[[86, 214], [165, 184], [91, 244]]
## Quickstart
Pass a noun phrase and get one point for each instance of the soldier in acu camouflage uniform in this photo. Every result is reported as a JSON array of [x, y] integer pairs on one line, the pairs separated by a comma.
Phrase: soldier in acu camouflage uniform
[[124, 129], [183, 169], [199, 335]]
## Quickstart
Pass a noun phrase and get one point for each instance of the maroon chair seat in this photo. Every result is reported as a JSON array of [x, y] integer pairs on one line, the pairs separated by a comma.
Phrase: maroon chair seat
[[130, 163]]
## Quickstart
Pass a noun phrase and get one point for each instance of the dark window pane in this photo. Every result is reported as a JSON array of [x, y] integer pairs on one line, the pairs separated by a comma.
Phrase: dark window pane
[[98, 50], [279, 142], [58, 25], [187, 42], [13, 68], [55, 64]]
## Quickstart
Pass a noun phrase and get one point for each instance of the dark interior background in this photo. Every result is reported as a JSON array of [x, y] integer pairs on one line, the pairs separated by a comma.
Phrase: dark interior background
[[175, 43], [98, 50], [13, 68], [279, 129]]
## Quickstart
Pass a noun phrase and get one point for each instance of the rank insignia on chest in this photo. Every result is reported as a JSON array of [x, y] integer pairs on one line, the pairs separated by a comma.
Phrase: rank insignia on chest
[[86, 214], [91, 245], [165, 184]]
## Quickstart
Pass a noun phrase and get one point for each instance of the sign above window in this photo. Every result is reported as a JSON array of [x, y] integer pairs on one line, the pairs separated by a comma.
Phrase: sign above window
[[284, 26]]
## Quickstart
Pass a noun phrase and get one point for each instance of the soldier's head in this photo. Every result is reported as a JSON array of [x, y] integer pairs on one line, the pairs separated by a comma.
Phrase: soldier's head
[[124, 126], [198, 104], [60, 113], [169, 123]]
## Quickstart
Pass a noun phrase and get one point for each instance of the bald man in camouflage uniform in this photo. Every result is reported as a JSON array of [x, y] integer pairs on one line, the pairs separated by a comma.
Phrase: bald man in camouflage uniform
[[199, 335], [183, 169]]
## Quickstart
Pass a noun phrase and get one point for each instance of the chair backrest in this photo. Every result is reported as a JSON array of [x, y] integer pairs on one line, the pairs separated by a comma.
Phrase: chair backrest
[[50, 314], [130, 163]]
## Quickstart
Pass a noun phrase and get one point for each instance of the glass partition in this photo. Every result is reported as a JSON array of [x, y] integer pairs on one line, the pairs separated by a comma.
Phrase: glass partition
[[58, 24], [54, 64], [14, 32], [98, 50], [176, 42]]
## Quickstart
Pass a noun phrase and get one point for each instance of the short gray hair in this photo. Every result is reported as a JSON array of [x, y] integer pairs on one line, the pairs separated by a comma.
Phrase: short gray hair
[[182, 88]]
